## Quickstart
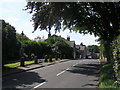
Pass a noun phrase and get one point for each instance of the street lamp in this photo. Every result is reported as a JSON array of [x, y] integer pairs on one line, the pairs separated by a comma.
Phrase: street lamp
[[22, 33], [21, 52]]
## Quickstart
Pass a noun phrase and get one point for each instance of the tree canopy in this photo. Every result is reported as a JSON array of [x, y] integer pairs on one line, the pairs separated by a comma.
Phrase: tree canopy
[[10, 45], [21, 38], [60, 47], [93, 48], [100, 18]]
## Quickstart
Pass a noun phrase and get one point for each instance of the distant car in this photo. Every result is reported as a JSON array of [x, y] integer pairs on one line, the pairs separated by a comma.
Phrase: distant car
[[89, 57]]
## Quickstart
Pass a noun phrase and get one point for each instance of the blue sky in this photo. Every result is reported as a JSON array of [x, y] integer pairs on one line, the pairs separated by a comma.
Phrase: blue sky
[[12, 13]]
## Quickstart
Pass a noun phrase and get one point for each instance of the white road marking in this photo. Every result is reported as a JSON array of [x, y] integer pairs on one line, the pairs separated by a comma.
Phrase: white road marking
[[38, 85], [60, 73], [75, 64], [67, 69]]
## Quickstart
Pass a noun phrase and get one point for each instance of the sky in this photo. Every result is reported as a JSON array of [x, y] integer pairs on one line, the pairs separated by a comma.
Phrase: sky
[[13, 13]]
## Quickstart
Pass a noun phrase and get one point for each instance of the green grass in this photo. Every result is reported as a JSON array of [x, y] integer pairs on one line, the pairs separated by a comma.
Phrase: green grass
[[54, 59], [12, 65], [40, 60], [106, 79], [17, 64]]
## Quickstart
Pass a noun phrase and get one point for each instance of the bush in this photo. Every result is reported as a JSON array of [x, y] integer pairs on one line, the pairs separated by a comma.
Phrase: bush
[[60, 47], [44, 49], [50, 58], [46, 58], [106, 78], [35, 60], [116, 57], [38, 48]]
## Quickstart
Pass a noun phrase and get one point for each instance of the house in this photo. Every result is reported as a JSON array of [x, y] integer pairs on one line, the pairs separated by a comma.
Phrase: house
[[82, 51], [71, 43], [79, 51]]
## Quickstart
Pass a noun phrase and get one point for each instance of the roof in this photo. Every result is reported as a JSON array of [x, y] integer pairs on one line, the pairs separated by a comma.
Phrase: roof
[[71, 43], [77, 46]]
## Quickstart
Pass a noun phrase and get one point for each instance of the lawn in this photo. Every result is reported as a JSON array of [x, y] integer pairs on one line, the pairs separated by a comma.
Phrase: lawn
[[17, 64]]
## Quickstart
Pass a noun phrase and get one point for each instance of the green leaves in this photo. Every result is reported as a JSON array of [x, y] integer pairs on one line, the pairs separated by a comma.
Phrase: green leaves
[[21, 38], [38, 48], [102, 21], [59, 46], [93, 49], [9, 42], [116, 57]]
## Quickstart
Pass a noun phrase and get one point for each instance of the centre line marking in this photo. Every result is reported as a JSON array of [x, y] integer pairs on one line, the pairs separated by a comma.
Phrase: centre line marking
[[75, 64], [60, 73], [39, 85], [67, 69]]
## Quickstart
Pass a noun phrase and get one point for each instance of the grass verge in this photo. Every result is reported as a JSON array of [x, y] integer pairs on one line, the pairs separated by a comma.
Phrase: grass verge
[[17, 64], [106, 79]]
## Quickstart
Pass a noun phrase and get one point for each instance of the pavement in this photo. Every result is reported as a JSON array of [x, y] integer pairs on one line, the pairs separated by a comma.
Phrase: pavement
[[70, 74], [29, 67]]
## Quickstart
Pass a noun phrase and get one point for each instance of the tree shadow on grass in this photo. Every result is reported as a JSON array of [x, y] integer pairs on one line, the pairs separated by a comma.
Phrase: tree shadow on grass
[[21, 80], [86, 69]]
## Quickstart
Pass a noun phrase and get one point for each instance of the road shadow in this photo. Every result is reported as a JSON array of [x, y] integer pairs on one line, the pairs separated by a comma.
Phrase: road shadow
[[21, 80], [90, 85], [86, 69]]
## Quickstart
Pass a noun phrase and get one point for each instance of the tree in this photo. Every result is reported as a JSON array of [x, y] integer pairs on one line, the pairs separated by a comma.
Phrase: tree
[[40, 48], [102, 19], [45, 48], [21, 38], [10, 46], [38, 38], [93, 48], [59, 46]]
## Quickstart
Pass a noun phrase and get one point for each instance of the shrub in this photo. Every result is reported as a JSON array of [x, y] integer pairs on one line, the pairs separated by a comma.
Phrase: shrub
[[46, 58], [60, 47], [50, 58]]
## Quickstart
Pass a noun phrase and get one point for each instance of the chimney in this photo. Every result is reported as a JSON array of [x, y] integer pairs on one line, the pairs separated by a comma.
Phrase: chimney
[[68, 38], [81, 44]]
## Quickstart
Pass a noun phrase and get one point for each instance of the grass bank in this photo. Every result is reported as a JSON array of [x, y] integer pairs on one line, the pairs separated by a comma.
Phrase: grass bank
[[106, 78], [17, 64]]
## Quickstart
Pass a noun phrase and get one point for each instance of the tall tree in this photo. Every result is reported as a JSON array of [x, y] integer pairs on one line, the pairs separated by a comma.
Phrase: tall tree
[[59, 46], [93, 48], [9, 42], [102, 19], [21, 38]]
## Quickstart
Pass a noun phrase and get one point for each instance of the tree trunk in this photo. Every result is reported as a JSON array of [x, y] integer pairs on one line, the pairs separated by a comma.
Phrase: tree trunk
[[108, 52]]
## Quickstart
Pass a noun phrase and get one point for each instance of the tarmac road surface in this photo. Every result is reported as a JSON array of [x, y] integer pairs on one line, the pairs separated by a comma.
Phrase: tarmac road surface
[[81, 73]]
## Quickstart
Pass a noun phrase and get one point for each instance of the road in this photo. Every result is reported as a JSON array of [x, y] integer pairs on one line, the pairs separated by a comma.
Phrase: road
[[69, 74]]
